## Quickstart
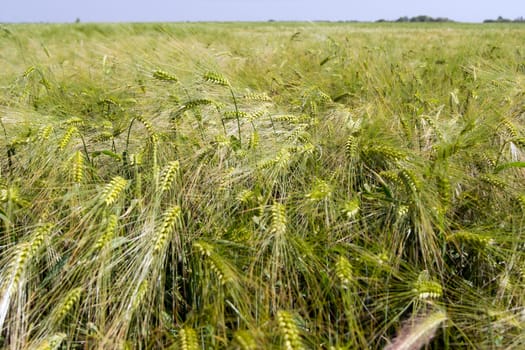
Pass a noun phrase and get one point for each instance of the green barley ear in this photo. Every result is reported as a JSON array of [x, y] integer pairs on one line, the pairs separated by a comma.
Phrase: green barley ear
[[164, 76], [289, 330], [112, 190], [493, 180], [215, 262], [279, 221], [52, 342], [262, 97], [138, 297], [77, 167], [39, 236], [410, 180], [343, 270], [170, 217], [351, 147], [168, 175], [109, 232], [66, 304], [44, 133], [426, 288], [245, 340], [320, 191], [387, 152], [216, 78], [470, 238], [254, 140], [188, 339], [67, 137], [351, 208], [418, 332], [146, 124]]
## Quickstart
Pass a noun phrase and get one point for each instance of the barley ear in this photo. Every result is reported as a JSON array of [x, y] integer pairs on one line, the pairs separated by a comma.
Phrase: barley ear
[[289, 330], [188, 339]]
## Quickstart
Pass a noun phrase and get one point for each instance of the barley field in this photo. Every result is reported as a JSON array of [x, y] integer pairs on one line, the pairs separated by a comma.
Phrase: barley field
[[262, 186]]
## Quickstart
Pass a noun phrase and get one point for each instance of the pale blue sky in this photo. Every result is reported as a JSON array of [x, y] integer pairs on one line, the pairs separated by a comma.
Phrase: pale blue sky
[[252, 10]]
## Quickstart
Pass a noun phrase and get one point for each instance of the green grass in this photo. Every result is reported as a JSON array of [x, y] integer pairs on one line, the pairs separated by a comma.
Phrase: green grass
[[261, 186]]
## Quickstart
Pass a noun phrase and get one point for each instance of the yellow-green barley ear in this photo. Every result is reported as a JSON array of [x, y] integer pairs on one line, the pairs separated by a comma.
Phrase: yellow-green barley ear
[[493, 180], [39, 236], [387, 152], [427, 288], [44, 133], [66, 304], [67, 137], [77, 167], [245, 340], [351, 147], [168, 175], [263, 97], [343, 270], [279, 220], [109, 232], [112, 190], [320, 191], [51, 342], [146, 124], [216, 78], [471, 238], [289, 330], [410, 180], [254, 140], [170, 217], [215, 262], [138, 297], [188, 339], [164, 76], [351, 208]]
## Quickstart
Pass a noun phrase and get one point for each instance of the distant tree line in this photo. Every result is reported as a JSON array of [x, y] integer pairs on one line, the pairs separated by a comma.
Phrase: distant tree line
[[421, 18], [505, 20]]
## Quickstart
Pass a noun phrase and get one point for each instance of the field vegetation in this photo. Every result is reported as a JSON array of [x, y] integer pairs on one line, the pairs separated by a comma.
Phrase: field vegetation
[[262, 186]]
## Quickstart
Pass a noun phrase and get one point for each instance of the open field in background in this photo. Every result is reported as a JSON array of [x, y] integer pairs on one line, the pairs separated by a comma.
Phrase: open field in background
[[262, 186]]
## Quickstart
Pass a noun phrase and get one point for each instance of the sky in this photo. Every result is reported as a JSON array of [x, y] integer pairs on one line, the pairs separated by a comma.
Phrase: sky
[[252, 10]]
